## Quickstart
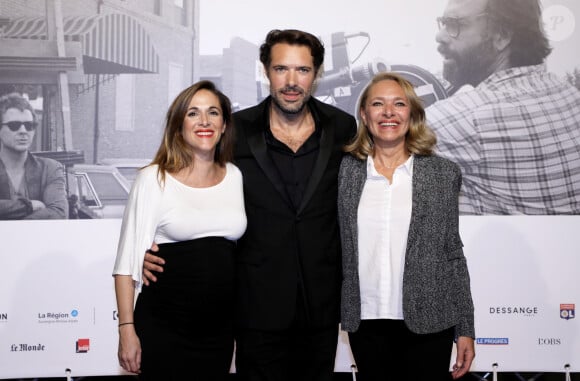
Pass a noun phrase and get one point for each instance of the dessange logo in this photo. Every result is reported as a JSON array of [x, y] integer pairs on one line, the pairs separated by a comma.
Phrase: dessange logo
[[514, 310]]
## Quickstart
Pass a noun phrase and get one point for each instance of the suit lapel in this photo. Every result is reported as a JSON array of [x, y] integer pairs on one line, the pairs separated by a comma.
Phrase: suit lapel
[[33, 177], [324, 153], [4, 182], [325, 150], [258, 146]]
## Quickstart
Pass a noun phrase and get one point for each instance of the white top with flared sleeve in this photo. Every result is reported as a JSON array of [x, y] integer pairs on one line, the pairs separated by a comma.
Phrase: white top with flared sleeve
[[175, 212]]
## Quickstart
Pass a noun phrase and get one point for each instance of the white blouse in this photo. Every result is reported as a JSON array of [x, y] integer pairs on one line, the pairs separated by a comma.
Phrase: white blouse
[[384, 215], [176, 212]]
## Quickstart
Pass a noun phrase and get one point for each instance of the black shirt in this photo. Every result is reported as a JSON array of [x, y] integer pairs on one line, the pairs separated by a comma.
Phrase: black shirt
[[294, 168]]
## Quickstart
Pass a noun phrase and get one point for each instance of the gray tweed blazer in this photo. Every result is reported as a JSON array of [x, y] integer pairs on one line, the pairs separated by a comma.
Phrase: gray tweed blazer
[[436, 284]]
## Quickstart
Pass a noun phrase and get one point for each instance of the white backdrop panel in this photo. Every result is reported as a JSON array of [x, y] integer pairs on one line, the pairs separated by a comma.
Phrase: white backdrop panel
[[523, 270], [57, 303]]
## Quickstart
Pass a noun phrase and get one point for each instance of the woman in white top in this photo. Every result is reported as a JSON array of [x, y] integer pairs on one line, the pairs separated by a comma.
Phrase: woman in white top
[[189, 201]]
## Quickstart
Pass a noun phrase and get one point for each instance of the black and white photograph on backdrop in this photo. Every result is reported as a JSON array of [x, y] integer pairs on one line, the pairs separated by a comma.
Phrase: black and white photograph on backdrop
[[84, 91], [517, 157]]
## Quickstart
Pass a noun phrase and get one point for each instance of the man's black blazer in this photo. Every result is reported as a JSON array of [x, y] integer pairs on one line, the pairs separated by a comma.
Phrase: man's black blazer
[[284, 246]]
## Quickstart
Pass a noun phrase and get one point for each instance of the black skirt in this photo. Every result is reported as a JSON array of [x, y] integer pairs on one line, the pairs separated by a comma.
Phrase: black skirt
[[185, 319]]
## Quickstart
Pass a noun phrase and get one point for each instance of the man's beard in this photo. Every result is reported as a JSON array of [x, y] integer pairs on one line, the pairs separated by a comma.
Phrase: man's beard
[[293, 108], [471, 66]]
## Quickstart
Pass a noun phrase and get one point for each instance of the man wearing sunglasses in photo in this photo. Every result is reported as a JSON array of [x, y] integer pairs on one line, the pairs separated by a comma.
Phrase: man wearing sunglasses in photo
[[31, 187], [511, 125]]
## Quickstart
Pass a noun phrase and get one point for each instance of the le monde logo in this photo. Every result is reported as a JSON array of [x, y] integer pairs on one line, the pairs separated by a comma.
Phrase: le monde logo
[[27, 348]]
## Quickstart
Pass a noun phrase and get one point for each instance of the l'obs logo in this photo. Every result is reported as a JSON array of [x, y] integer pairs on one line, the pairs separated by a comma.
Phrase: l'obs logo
[[549, 341]]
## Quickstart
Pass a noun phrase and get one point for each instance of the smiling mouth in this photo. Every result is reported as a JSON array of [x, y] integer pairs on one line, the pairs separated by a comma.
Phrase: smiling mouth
[[205, 134], [291, 92], [291, 97]]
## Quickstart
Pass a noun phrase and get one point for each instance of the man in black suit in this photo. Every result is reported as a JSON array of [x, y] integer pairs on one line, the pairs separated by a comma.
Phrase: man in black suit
[[289, 149]]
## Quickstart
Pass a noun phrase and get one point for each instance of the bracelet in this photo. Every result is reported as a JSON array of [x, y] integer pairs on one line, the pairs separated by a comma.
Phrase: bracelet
[[129, 322]]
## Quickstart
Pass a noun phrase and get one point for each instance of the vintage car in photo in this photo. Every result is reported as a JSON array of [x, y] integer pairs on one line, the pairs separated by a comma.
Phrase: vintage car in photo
[[96, 191]]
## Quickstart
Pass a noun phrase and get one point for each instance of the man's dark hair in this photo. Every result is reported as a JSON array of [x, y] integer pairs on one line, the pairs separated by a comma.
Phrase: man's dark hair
[[292, 37], [17, 101], [523, 20]]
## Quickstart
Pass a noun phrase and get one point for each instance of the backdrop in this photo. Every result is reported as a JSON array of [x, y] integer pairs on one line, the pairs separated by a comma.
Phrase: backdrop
[[57, 302], [103, 95]]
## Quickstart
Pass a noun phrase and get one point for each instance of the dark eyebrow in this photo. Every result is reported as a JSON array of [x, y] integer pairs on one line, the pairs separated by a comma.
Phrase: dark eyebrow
[[209, 108]]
